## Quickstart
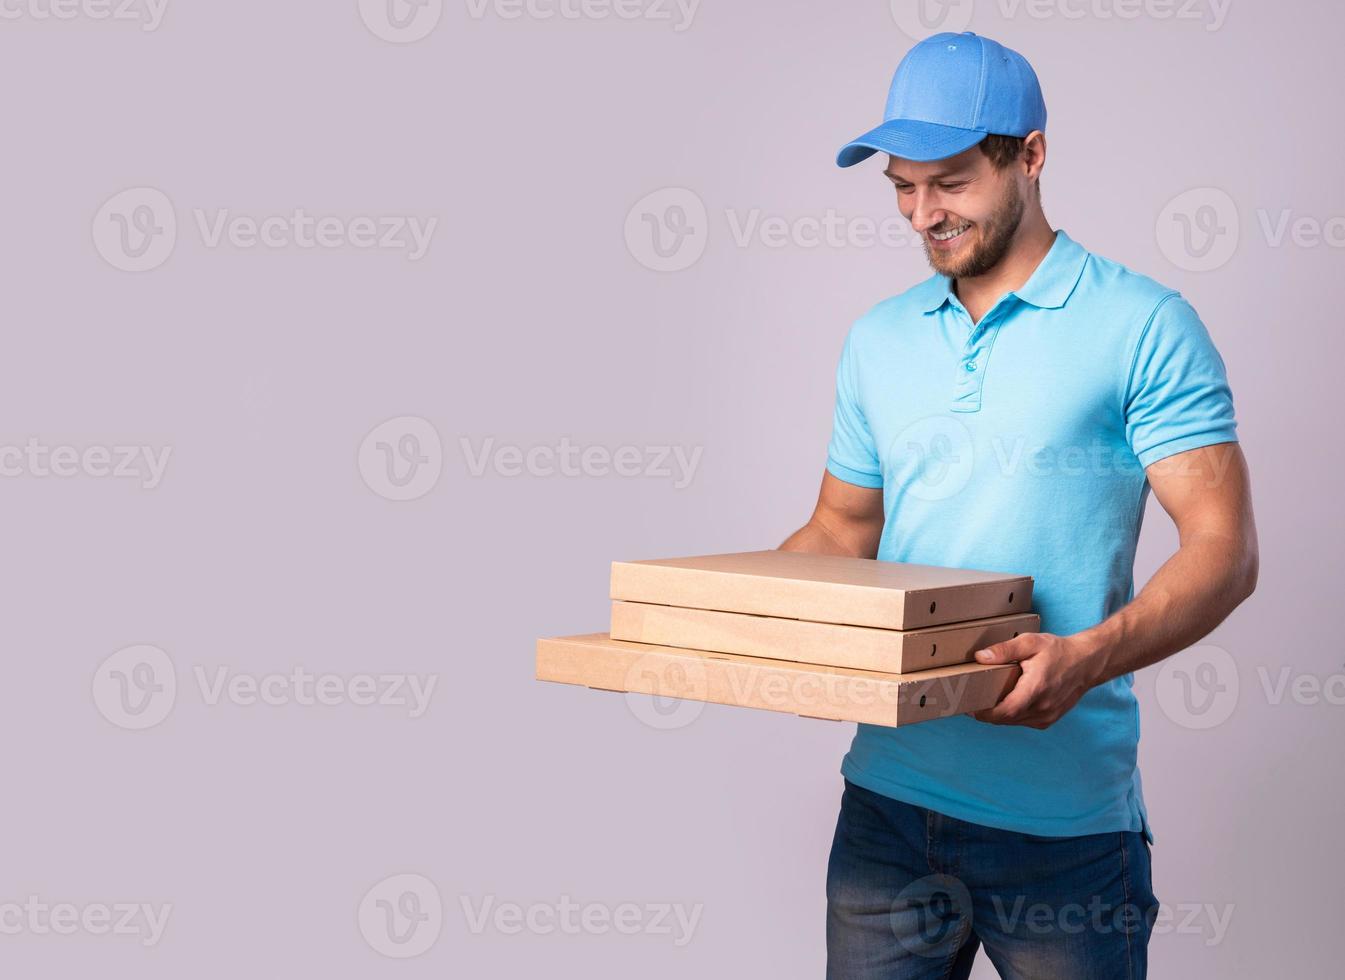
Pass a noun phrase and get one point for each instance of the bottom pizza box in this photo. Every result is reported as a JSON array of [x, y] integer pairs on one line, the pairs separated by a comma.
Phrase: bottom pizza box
[[836, 693]]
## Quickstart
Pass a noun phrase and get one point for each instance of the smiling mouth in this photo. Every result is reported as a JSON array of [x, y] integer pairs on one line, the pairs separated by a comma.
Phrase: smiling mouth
[[948, 236]]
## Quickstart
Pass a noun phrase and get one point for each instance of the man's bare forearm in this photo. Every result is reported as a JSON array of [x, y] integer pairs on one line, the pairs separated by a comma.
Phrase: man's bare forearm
[[1194, 591]]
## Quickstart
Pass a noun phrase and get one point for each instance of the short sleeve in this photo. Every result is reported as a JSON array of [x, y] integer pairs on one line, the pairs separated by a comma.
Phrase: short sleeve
[[851, 455], [1177, 397]]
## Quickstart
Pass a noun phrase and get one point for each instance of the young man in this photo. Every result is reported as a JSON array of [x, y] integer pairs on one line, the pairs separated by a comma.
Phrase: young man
[[1012, 413]]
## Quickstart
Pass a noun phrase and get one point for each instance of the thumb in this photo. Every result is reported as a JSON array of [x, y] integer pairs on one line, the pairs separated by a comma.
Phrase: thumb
[[1005, 652]]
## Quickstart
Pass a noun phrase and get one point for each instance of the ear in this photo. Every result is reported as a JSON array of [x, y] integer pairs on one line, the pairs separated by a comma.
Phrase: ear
[[1033, 158]]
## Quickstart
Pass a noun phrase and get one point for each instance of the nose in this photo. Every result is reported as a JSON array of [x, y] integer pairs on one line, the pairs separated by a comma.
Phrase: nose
[[926, 213]]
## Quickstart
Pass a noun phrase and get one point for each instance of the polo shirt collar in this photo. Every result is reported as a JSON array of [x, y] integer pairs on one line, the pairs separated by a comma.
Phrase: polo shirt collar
[[1048, 287]]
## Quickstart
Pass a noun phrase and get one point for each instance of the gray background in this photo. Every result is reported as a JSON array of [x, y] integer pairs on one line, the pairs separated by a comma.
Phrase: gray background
[[266, 546]]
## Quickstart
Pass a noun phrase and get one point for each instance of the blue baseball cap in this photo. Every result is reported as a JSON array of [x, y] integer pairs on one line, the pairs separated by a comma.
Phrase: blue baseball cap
[[948, 94]]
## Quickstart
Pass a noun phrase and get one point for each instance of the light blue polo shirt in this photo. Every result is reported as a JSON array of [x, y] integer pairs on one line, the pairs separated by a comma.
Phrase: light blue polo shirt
[[1019, 444]]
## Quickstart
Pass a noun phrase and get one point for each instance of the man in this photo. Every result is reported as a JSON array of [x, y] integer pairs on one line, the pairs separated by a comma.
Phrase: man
[[1011, 413]]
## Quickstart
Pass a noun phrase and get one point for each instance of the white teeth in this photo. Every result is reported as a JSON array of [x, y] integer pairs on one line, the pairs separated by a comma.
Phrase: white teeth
[[943, 237]]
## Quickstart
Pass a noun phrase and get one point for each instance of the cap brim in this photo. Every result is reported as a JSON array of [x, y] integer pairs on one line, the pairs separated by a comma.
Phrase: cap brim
[[910, 139]]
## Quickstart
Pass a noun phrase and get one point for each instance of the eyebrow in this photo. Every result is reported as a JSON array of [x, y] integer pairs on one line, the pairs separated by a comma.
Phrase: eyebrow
[[942, 175]]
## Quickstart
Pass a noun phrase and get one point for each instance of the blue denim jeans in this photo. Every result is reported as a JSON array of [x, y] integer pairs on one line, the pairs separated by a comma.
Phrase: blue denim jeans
[[913, 893]]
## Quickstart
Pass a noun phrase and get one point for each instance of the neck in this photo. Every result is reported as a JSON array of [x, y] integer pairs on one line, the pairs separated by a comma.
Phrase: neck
[[1032, 240]]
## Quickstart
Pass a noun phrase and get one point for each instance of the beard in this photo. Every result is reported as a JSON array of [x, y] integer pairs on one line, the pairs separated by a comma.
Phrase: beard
[[990, 242]]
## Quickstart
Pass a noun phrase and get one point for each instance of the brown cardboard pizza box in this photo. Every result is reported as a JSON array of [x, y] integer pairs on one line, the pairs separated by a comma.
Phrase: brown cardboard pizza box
[[805, 641], [837, 693], [824, 588]]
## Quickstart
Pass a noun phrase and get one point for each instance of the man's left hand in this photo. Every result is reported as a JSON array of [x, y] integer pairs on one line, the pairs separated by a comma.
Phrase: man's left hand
[[1057, 672]]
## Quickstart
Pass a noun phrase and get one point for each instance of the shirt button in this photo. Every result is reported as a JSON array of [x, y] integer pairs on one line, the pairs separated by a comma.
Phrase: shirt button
[[971, 365]]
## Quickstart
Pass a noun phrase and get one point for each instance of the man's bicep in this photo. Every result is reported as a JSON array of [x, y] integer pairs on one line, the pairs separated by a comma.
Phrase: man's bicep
[[1206, 490]]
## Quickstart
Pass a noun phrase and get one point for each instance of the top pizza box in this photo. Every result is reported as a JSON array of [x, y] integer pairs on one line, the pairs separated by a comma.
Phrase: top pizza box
[[824, 588]]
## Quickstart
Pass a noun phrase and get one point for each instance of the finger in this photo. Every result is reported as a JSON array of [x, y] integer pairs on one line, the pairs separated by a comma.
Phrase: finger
[[1021, 647], [1015, 705]]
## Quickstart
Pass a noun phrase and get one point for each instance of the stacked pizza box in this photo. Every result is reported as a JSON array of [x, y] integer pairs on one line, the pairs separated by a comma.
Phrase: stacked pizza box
[[825, 636]]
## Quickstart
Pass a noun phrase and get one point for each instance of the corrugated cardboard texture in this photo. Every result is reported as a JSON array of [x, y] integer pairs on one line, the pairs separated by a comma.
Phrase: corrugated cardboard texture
[[836, 693], [824, 588], [833, 644]]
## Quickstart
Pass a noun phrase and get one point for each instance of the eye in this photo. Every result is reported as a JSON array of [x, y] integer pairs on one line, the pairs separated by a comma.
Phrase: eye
[[954, 186]]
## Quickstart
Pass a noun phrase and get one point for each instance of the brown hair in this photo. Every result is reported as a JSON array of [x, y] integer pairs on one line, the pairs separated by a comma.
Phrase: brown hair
[[1004, 150]]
